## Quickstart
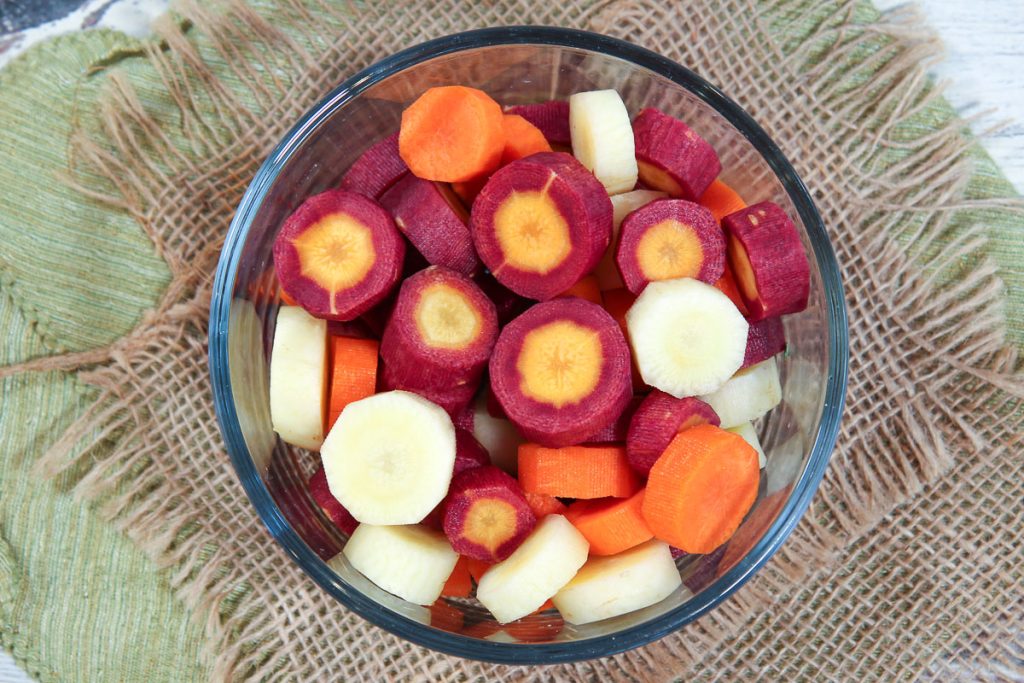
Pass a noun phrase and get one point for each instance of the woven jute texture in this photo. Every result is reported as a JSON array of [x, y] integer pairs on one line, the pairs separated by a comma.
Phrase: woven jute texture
[[909, 562]]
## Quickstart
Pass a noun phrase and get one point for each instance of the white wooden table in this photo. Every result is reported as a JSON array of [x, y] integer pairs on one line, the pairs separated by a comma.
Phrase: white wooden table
[[984, 64]]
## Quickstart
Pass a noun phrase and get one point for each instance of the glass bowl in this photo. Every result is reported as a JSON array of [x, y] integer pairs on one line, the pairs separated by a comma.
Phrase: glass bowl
[[518, 65]]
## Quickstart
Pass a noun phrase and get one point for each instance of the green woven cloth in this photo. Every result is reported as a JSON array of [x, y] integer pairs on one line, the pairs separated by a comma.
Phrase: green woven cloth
[[78, 600]]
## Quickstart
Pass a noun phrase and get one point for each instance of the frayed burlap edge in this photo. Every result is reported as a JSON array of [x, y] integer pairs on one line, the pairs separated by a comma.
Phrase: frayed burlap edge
[[951, 328]]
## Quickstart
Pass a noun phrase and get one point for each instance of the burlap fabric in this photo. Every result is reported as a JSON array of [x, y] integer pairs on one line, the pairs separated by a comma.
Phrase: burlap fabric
[[909, 563]]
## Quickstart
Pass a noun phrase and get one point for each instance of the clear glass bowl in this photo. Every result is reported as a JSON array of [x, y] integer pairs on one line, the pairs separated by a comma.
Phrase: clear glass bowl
[[518, 65]]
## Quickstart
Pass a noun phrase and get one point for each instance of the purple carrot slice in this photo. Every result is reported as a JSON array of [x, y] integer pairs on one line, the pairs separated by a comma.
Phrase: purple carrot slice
[[768, 261], [338, 255], [469, 452], [541, 223], [376, 170], [440, 333], [434, 223], [330, 505], [561, 371], [486, 515], [671, 157], [668, 239]]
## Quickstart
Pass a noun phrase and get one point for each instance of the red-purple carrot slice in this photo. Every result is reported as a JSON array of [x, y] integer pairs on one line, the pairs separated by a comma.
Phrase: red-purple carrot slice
[[561, 371], [440, 333], [765, 338], [434, 226], [376, 170], [338, 255], [671, 157], [669, 239], [768, 261], [486, 515], [541, 223], [330, 505]]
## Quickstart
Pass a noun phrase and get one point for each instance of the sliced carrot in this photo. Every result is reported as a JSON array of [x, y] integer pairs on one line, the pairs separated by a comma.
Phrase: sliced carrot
[[353, 373], [727, 283], [522, 139], [477, 568], [287, 299], [721, 200], [543, 505], [459, 583], [700, 488], [611, 525], [452, 133], [587, 288], [577, 471], [446, 617]]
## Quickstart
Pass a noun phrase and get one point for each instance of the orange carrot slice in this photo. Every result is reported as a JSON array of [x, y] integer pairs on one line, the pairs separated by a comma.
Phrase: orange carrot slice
[[577, 471], [353, 373], [543, 505], [587, 288], [611, 525], [700, 488], [452, 133], [459, 583], [721, 200]]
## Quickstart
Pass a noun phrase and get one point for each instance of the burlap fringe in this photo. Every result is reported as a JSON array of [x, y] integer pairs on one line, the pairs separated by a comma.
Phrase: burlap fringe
[[954, 331]]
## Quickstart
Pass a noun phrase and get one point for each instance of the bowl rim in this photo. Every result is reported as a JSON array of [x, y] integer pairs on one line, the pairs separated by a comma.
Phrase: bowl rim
[[437, 639]]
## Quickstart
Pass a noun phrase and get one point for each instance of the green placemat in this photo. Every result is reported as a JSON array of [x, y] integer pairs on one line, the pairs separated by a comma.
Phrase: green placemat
[[77, 274]]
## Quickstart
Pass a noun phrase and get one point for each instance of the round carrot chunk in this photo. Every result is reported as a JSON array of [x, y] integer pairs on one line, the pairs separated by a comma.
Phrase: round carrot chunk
[[452, 133], [701, 488]]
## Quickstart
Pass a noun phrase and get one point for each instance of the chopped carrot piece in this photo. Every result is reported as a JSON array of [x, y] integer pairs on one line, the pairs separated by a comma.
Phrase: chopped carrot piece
[[522, 139], [459, 583], [452, 133], [287, 299], [543, 505], [353, 373], [577, 471], [587, 288], [700, 488], [721, 200], [611, 525]]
